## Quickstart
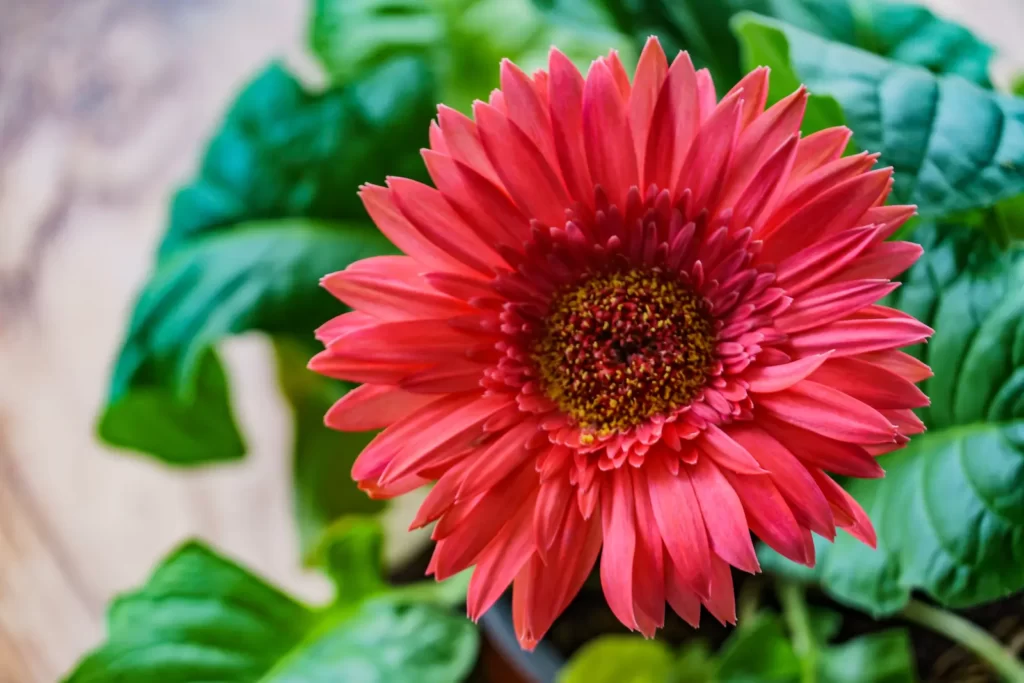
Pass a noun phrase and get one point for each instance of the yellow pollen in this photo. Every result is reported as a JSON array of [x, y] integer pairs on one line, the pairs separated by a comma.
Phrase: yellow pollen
[[618, 348]]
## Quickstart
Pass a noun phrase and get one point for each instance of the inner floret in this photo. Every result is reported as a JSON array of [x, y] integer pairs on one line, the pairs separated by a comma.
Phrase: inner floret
[[620, 347]]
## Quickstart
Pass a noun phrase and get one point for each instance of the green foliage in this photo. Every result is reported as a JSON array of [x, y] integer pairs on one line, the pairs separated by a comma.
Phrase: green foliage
[[761, 47], [619, 659], [273, 209], [188, 428], [950, 511], [954, 146], [256, 276], [758, 651], [323, 458], [903, 32], [285, 152], [350, 552], [885, 655], [463, 41], [200, 617]]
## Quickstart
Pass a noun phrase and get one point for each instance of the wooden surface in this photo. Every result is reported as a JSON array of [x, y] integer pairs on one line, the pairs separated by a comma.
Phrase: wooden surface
[[104, 108]]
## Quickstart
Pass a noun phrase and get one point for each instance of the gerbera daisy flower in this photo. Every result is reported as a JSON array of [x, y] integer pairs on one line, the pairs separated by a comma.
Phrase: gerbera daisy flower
[[632, 321]]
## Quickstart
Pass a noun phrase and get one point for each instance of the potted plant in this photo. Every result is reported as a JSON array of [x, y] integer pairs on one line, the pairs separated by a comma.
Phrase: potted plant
[[274, 208]]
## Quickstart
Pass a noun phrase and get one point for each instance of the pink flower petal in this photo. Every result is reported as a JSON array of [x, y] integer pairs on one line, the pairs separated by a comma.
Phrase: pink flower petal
[[606, 136], [829, 412]]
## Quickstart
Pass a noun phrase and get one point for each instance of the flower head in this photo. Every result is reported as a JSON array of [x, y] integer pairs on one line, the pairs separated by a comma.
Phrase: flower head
[[632, 320]]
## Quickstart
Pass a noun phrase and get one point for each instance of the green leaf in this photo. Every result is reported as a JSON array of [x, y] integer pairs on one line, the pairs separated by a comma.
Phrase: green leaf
[[950, 511], [349, 36], [619, 659], [350, 552], [463, 41], [760, 47], [884, 657], [695, 664], [284, 152], [321, 469], [153, 417], [903, 32], [1003, 223], [759, 651], [202, 618], [258, 276], [954, 146]]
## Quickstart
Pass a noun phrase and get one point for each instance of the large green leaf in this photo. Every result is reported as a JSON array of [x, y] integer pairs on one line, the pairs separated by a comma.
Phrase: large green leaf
[[202, 618], [322, 465], [183, 429], [950, 510], [904, 32], [285, 152], [462, 40], [954, 146], [257, 276]]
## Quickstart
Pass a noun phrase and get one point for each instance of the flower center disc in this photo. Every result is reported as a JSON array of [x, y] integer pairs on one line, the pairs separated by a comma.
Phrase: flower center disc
[[620, 347]]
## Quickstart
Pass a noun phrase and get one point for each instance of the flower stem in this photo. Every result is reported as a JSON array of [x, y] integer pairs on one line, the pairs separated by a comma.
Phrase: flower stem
[[794, 609], [748, 600], [971, 637]]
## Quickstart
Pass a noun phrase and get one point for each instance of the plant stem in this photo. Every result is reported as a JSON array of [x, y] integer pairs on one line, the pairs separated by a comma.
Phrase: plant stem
[[748, 600], [794, 609], [971, 637]]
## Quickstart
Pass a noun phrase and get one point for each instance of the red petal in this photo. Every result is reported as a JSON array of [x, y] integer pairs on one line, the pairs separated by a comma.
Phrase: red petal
[[606, 136], [767, 379], [727, 453], [769, 516], [805, 500], [853, 337], [533, 184], [566, 105], [817, 149], [649, 561], [829, 412], [373, 406], [828, 303], [885, 260], [846, 459], [499, 563], [723, 516], [847, 511], [435, 219], [678, 514], [839, 209], [755, 94], [673, 125], [463, 141], [820, 261], [708, 160], [650, 75], [618, 523], [526, 110], [870, 383], [722, 601], [903, 364]]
